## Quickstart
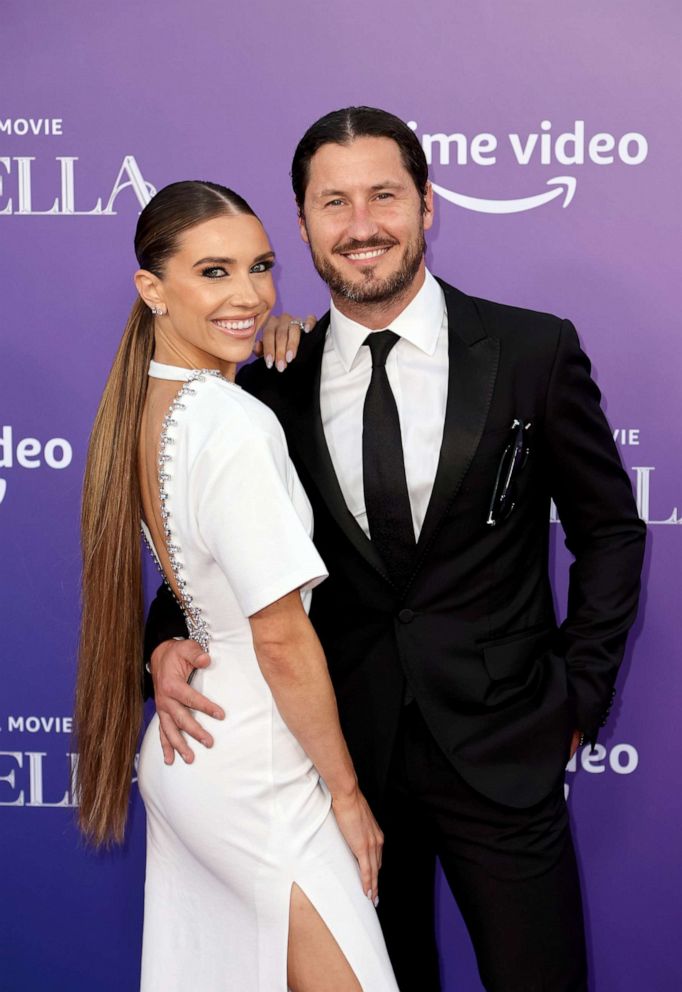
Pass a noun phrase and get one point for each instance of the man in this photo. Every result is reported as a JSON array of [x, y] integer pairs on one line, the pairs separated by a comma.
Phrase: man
[[430, 431]]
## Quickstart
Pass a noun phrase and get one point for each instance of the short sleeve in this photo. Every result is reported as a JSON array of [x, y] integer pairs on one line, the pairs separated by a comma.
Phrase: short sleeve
[[247, 516]]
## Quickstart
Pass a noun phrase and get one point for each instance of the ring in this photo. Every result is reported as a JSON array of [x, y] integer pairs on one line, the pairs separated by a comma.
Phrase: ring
[[301, 324]]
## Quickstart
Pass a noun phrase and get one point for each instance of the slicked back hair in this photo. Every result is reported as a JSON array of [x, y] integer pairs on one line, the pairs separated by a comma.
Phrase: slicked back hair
[[341, 127]]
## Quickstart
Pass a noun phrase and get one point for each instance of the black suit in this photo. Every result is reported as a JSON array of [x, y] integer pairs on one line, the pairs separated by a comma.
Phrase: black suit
[[498, 687]]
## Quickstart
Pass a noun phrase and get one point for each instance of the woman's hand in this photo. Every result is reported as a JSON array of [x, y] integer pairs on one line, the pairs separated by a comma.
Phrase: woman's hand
[[281, 338], [364, 837]]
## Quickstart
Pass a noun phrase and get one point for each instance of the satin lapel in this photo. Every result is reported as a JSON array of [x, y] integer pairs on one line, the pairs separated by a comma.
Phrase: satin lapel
[[473, 360], [307, 435]]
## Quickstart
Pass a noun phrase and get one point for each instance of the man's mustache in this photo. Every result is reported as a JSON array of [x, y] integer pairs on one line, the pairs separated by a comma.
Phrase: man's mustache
[[370, 245]]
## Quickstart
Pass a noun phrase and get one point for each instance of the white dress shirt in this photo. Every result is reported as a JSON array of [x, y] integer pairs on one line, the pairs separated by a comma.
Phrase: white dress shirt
[[417, 369]]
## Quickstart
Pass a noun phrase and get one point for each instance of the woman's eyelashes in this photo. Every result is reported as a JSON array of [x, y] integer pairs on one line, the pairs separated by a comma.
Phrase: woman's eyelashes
[[218, 271], [263, 266]]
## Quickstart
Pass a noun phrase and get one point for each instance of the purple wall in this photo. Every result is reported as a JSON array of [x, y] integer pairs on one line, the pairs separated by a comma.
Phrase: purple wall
[[223, 92]]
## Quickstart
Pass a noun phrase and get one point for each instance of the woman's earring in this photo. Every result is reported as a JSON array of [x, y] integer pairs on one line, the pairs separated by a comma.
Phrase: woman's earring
[[158, 311]]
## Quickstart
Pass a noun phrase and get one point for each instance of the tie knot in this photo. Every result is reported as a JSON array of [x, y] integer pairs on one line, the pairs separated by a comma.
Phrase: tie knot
[[380, 343]]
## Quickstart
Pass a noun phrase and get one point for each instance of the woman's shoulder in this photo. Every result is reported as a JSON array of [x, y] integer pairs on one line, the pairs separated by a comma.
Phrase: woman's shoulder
[[222, 407]]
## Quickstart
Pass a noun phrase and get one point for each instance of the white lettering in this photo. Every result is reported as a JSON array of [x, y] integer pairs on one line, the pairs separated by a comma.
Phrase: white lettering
[[599, 144], [36, 797], [444, 141], [66, 453], [143, 190], [626, 436], [569, 147], [6, 447], [523, 154], [26, 448], [641, 146], [57, 451], [631, 759], [40, 125], [642, 494], [576, 139], [37, 724], [24, 177], [6, 163], [546, 143], [591, 759], [481, 147], [11, 778]]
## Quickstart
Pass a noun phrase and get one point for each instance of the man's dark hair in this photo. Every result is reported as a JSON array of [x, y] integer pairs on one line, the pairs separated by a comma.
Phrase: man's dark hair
[[340, 127]]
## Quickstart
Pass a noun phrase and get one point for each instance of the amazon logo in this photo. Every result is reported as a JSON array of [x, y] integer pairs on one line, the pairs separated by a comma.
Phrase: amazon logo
[[542, 147]]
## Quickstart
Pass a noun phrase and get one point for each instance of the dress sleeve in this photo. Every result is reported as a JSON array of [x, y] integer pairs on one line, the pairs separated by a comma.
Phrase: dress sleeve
[[246, 515]]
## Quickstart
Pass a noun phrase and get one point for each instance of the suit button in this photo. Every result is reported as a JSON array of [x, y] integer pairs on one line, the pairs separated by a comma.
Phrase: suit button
[[406, 616]]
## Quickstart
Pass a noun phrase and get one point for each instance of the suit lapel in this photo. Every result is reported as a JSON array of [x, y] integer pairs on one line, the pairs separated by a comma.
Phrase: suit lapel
[[307, 435], [473, 360]]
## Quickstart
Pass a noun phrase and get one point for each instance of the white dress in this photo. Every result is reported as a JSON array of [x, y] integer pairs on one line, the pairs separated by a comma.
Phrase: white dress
[[228, 835]]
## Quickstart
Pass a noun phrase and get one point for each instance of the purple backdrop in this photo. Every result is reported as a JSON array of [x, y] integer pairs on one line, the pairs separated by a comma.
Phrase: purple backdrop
[[97, 105]]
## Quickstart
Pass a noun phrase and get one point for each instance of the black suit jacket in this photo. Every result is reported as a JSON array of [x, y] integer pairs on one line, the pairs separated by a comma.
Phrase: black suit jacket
[[474, 632]]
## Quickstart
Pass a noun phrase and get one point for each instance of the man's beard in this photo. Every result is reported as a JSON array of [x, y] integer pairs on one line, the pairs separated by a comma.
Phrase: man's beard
[[372, 290]]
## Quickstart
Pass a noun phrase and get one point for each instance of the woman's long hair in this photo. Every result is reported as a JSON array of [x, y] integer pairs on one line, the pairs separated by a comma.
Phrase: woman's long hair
[[108, 708]]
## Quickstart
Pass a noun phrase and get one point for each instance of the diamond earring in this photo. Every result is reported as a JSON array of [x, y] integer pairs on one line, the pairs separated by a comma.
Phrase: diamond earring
[[158, 311]]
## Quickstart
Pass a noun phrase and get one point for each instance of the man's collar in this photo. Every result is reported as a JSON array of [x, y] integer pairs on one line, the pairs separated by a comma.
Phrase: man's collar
[[419, 323]]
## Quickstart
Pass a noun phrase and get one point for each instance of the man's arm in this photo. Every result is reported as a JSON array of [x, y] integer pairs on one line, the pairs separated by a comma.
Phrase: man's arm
[[165, 620], [169, 662], [603, 532]]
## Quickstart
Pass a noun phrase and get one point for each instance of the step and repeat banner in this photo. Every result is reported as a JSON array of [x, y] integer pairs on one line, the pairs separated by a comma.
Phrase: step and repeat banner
[[551, 132]]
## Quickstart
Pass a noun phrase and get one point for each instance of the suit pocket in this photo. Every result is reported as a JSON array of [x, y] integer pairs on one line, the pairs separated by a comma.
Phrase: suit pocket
[[512, 656]]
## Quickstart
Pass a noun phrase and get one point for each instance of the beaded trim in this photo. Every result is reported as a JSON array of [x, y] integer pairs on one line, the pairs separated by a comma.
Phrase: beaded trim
[[197, 626]]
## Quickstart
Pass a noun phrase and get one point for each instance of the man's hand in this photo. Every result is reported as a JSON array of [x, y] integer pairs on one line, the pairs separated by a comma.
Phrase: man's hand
[[171, 665], [281, 337]]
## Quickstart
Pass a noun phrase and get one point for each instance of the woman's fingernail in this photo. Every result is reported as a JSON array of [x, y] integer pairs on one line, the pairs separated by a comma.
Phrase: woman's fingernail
[[206, 741], [289, 356], [369, 894], [281, 365], [269, 361], [376, 902]]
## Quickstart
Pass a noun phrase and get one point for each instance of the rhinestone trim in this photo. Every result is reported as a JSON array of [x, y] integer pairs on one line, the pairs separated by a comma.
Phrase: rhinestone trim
[[197, 626]]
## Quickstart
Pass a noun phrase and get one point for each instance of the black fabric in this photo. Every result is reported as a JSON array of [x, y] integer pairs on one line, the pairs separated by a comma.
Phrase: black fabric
[[387, 500], [499, 685], [512, 873], [474, 631]]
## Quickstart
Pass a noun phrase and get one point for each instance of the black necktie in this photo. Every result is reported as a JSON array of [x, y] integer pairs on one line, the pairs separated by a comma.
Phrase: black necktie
[[387, 500]]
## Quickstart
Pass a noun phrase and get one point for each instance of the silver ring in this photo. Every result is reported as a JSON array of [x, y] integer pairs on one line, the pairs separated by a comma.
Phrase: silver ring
[[301, 324]]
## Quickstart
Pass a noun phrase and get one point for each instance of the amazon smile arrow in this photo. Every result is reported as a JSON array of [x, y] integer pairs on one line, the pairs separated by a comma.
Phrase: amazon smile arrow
[[562, 185]]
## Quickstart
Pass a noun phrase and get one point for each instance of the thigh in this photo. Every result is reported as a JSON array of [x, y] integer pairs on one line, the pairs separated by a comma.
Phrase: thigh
[[315, 962], [406, 887]]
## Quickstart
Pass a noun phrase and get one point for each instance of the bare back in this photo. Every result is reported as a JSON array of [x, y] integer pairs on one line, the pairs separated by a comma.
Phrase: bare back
[[160, 395]]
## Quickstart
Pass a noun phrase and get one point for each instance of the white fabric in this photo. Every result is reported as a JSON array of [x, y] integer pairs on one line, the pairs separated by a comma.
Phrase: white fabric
[[417, 369], [228, 835]]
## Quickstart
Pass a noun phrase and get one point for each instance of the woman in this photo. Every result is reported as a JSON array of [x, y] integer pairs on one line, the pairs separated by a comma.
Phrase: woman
[[251, 883]]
